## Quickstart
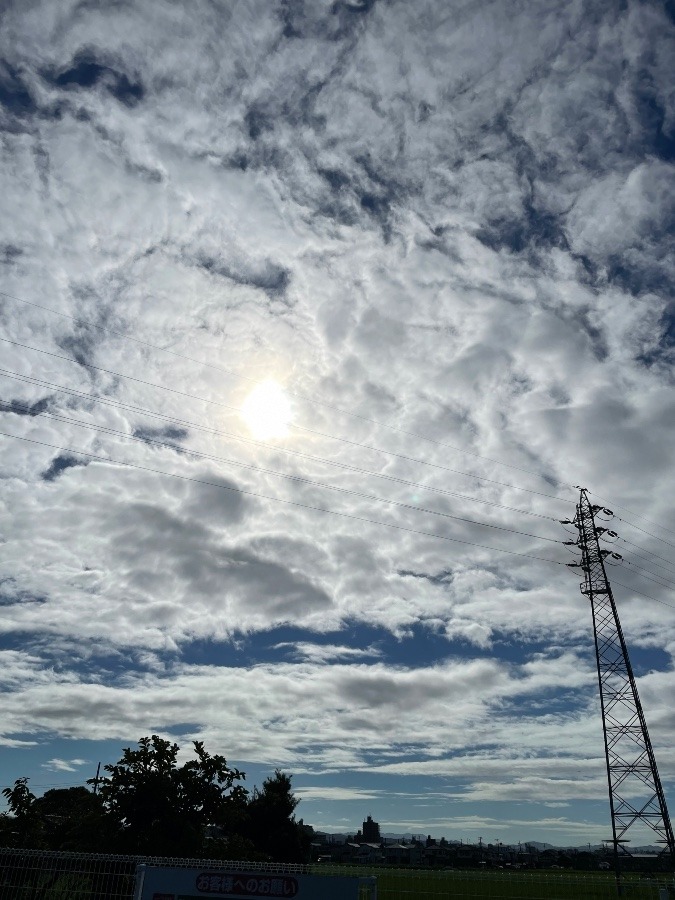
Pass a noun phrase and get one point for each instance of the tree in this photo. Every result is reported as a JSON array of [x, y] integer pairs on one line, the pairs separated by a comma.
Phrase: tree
[[271, 824], [149, 804], [160, 808], [22, 826], [73, 819], [62, 819]]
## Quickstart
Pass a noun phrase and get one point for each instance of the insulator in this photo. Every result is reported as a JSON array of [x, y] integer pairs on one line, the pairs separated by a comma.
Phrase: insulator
[[567, 522], [617, 556], [596, 508], [608, 512], [570, 544], [573, 565], [612, 534]]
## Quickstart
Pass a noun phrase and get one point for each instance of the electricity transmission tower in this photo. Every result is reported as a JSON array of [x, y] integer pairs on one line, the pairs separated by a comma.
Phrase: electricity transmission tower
[[635, 793]]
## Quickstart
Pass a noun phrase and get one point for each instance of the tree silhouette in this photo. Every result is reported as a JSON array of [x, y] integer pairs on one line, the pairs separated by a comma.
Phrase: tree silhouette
[[74, 819], [149, 804], [22, 826], [158, 807], [271, 822]]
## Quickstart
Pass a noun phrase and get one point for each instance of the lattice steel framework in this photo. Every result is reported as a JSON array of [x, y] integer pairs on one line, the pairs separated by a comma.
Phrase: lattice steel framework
[[635, 791]]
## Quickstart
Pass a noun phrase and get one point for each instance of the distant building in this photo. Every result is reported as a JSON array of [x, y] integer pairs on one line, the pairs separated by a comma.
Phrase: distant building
[[397, 854], [368, 853], [371, 831]]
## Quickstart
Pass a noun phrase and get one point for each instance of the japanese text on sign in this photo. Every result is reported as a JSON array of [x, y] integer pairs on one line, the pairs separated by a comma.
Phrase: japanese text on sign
[[183, 883], [247, 885]]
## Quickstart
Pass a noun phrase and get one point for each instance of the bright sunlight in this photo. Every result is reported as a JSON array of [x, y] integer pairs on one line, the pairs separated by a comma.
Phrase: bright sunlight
[[267, 411]]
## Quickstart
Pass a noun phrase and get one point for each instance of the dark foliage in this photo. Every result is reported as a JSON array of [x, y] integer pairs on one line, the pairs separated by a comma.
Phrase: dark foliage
[[62, 819], [160, 808], [149, 804], [271, 824]]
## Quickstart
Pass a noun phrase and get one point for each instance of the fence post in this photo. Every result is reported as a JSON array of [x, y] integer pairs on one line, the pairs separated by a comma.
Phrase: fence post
[[138, 883]]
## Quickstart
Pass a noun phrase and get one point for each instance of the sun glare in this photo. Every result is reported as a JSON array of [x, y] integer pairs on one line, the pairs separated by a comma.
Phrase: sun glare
[[267, 411]]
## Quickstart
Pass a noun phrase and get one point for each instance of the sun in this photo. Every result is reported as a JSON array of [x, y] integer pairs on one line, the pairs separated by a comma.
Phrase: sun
[[267, 411]]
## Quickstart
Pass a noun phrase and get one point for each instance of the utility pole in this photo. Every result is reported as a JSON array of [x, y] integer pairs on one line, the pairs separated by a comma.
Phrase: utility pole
[[635, 793], [97, 779]]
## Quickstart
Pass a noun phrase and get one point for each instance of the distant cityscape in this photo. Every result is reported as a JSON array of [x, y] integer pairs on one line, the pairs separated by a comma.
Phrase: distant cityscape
[[369, 846]]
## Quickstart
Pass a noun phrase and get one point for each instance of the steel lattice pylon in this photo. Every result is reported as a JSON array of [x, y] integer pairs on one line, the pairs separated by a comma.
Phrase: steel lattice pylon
[[635, 791]]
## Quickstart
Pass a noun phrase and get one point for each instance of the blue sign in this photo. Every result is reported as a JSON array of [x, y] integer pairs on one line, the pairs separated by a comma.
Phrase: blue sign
[[167, 883]]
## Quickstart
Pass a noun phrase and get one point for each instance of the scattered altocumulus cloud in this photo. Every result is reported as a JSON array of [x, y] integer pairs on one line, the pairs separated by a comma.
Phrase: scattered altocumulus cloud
[[64, 765], [446, 231]]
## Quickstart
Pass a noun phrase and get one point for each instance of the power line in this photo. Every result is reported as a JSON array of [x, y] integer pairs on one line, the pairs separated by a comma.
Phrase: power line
[[647, 596], [215, 484], [200, 455], [647, 560], [637, 515], [649, 552], [664, 582], [329, 462], [106, 328], [299, 395], [56, 784], [303, 428], [655, 536]]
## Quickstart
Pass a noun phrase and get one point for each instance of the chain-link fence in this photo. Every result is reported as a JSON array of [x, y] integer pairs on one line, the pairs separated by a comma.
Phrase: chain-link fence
[[54, 875], [51, 875]]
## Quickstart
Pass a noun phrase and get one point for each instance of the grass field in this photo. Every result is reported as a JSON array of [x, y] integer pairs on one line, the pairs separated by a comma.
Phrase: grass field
[[409, 884]]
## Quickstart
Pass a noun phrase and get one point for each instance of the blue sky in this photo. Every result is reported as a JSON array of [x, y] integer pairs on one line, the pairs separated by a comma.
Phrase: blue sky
[[444, 231]]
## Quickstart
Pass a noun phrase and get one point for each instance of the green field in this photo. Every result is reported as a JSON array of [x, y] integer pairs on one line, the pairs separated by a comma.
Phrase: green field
[[408, 884]]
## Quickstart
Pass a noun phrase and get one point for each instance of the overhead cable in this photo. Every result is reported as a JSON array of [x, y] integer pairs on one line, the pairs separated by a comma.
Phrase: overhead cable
[[632, 513], [106, 328], [642, 594], [646, 559], [655, 536], [303, 428], [645, 550], [234, 489], [651, 576], [301, 478], [275, 447]]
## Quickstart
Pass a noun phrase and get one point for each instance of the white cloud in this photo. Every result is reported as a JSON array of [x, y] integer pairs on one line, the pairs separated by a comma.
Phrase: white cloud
[[432, 222], [64, 765], [317, 653], [336, 793]]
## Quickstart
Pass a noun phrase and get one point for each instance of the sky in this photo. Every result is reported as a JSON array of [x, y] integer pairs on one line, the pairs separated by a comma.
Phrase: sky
[[437, 240]]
